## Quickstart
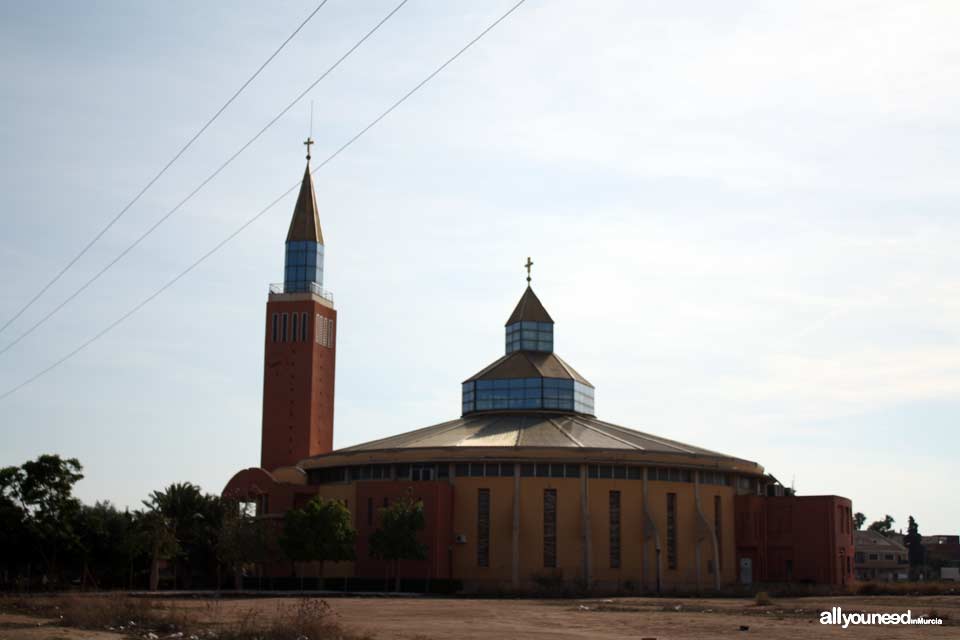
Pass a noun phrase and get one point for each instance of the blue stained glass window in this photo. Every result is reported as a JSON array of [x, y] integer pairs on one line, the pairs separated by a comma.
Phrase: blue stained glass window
[[527, 393], [529, 336], [303, 266]]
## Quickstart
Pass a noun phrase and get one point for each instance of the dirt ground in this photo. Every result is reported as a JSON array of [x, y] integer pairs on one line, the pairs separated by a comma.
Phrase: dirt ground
[[474, 619]]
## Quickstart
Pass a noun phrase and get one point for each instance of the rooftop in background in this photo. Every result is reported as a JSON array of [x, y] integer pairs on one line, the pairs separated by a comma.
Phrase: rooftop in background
[[874, 541]]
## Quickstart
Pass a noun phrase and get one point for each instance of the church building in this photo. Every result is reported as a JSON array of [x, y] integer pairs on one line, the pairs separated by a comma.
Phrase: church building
[[528, 486]]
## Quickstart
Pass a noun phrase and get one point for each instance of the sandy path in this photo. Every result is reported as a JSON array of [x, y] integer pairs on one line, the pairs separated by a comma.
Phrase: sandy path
[[787, 619]]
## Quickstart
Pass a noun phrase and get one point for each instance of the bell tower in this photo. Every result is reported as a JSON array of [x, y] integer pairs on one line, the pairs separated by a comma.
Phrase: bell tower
[[299, 345]]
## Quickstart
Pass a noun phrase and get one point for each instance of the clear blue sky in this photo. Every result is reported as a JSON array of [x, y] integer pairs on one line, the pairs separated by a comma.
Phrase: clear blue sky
[[743, 218]]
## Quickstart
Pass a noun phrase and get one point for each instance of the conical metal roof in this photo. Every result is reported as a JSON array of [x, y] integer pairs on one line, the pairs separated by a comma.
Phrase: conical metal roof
[[305, 224], [530, 309], [529, 364]]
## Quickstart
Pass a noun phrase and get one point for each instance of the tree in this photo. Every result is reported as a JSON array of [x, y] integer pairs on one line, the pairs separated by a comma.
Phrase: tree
[[858, 520], [41, 492], [193, 519], [239, 539], [104, 550], [155, 533], [14, 538], [884, 526], [319, 532], [916, 553], [396, 538]]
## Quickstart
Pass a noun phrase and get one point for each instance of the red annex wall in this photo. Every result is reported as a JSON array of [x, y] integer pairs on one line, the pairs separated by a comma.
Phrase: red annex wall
[[437, 497], [795, 539]]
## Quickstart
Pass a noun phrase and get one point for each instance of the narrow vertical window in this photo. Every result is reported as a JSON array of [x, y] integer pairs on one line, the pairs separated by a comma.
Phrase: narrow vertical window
[[370, 511], [316, 330], [483, 527], [295, 325], [550, 528], [324, 331], [718, 528], [283, 329], [671, 531], [304, 327], [614, 529], [274, 327]]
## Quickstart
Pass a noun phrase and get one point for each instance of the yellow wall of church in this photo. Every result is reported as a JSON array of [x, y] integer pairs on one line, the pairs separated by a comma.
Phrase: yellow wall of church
[[569, 531], [631, 575], [631, 530], [465, 497]]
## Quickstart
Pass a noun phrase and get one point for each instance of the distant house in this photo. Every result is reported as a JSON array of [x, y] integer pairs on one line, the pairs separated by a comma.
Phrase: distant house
[[942, 551], [877, 557]]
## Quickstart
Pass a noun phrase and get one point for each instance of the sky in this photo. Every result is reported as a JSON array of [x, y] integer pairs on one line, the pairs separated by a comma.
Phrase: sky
[[742, 217]]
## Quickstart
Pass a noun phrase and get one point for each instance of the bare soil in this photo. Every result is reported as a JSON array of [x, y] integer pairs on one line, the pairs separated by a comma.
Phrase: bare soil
[[474, 619]]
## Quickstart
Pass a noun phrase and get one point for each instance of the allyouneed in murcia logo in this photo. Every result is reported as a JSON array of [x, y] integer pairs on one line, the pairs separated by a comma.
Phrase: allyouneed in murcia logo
[[837, 616]]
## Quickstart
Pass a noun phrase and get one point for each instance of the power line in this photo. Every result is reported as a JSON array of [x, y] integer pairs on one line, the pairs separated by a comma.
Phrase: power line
[[199, 187], [149, 184], [260, 213]]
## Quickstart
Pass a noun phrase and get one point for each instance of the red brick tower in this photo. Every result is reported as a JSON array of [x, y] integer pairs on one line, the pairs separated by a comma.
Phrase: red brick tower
[[300, 345]]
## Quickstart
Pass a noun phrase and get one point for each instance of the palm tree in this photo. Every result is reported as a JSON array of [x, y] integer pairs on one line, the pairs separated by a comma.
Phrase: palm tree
[[192, 519], [155, 535]]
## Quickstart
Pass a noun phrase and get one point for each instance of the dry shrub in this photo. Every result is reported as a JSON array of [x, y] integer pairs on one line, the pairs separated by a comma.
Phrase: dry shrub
[[933, 613], [114, 612], [549, 583], [311, 619], [762, 599], [119, 612]]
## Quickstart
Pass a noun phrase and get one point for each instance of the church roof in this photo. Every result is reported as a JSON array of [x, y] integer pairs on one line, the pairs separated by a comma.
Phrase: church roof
[[541, 430], [305, 224], [530, 309], [529, 364]]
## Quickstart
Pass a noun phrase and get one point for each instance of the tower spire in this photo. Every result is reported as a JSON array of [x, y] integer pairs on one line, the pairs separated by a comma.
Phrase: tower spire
[[305, 224]]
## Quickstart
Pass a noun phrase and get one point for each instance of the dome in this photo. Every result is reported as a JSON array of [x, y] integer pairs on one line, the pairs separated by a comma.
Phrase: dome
[[531, 404]]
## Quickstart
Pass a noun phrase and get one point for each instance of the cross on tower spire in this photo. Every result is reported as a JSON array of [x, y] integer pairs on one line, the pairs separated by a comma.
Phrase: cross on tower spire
[[308, 142], [528, 265]]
